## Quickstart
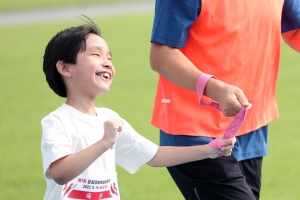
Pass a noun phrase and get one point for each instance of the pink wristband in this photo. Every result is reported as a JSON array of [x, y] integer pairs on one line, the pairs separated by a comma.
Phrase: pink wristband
[[217, 144], [201, 83]]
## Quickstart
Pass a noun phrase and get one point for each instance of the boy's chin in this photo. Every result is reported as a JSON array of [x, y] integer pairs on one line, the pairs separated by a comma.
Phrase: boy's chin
[[103, 91]]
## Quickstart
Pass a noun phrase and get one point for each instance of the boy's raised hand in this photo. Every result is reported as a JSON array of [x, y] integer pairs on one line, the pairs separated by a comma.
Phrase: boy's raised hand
[[112, 128], [68, 167]]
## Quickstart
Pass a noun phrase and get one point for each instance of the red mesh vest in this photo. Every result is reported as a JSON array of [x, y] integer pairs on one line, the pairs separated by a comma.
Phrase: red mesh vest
[[238, 41]]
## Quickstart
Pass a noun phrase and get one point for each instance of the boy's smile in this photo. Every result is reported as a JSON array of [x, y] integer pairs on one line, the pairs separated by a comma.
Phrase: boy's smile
[[104, 75]]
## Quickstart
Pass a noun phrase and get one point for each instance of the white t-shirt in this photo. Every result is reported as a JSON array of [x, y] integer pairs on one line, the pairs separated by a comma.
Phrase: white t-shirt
[[67, 131]]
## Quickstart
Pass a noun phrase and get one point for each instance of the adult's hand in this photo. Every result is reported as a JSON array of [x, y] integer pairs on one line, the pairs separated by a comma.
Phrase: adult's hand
[[177, 68], [230, 98]]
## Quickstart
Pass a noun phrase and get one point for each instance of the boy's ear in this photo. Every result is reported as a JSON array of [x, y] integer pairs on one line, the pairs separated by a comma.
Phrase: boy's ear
[[63, 68]]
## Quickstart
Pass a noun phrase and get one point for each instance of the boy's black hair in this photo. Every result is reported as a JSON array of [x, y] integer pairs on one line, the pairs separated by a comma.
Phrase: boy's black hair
[[65, 46]]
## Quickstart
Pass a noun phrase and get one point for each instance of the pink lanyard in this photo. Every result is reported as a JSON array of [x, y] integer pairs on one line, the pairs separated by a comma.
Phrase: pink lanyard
[[237, 120]]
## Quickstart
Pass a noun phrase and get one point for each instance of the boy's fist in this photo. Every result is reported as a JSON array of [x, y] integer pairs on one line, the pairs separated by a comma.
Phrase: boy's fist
[[112, 128]]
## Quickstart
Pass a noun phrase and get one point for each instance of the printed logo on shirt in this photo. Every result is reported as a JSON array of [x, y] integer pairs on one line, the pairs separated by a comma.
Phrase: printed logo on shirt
[[166, 101], [92, 188]]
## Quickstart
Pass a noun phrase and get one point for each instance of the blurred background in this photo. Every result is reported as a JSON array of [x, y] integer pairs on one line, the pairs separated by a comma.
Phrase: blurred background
[[25, 29]]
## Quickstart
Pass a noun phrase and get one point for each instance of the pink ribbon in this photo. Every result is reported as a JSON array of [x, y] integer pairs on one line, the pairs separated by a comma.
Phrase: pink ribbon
[[235, 123]]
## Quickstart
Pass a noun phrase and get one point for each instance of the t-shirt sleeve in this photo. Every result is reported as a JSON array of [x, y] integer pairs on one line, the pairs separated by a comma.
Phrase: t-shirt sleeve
[[133, 150], [290, 15], [172, 21], [55, 143]]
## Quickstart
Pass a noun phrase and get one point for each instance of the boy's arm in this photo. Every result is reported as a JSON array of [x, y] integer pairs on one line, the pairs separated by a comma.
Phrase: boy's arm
[[177, 68], [292, 38], [67, 168], [169, 155]]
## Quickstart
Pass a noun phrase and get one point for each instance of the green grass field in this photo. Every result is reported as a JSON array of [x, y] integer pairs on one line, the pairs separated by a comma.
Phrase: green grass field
[[26, 99], [14, 5]]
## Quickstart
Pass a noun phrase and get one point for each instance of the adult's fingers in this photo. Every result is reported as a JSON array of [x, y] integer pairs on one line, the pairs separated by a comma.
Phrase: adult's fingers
[[242, 98], [234, 102]]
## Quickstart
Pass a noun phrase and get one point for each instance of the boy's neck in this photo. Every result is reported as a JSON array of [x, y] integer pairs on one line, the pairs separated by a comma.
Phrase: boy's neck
[[83, 105]]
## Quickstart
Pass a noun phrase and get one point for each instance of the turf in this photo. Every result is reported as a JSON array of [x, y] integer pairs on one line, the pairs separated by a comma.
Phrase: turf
[[26, 98], [15, 5]]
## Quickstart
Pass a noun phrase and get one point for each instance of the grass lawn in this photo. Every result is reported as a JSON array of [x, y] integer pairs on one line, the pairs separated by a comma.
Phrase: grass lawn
[[14, 5], [281, 166], [26, 99]]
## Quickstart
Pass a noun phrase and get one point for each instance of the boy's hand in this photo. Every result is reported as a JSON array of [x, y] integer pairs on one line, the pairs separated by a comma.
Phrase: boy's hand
[[226, 150], [112, 128], [229, 144]]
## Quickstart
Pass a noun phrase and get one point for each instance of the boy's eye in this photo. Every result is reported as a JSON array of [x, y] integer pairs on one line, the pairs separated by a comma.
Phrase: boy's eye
[[95, 54]]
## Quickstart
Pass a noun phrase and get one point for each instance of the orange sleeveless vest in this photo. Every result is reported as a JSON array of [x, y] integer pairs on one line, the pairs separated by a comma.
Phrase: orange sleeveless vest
[[238, 41]]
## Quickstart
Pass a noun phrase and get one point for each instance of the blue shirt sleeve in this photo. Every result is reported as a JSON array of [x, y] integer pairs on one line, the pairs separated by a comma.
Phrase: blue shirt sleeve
[[172, 21], [290, 15]]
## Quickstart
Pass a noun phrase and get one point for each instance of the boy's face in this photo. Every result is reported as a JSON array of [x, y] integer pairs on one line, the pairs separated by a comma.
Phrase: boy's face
[[93, 72]]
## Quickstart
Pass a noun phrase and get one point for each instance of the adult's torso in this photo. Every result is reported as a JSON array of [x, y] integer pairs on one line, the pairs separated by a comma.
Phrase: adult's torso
[[238, 41]]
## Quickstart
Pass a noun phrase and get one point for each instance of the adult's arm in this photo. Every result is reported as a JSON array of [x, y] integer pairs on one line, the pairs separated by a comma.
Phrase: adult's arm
[[290, 23], [292, 38], [177, 68]]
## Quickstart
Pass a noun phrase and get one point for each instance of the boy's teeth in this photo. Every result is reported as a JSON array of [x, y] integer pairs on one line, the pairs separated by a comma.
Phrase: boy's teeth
[[105, 75]]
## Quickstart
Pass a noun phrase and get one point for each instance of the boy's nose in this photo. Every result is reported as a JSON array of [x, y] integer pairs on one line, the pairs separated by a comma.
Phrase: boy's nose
[[106, 65]]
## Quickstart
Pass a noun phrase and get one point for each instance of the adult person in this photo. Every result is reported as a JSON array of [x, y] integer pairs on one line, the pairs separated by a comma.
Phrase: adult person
[[234, 46]]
